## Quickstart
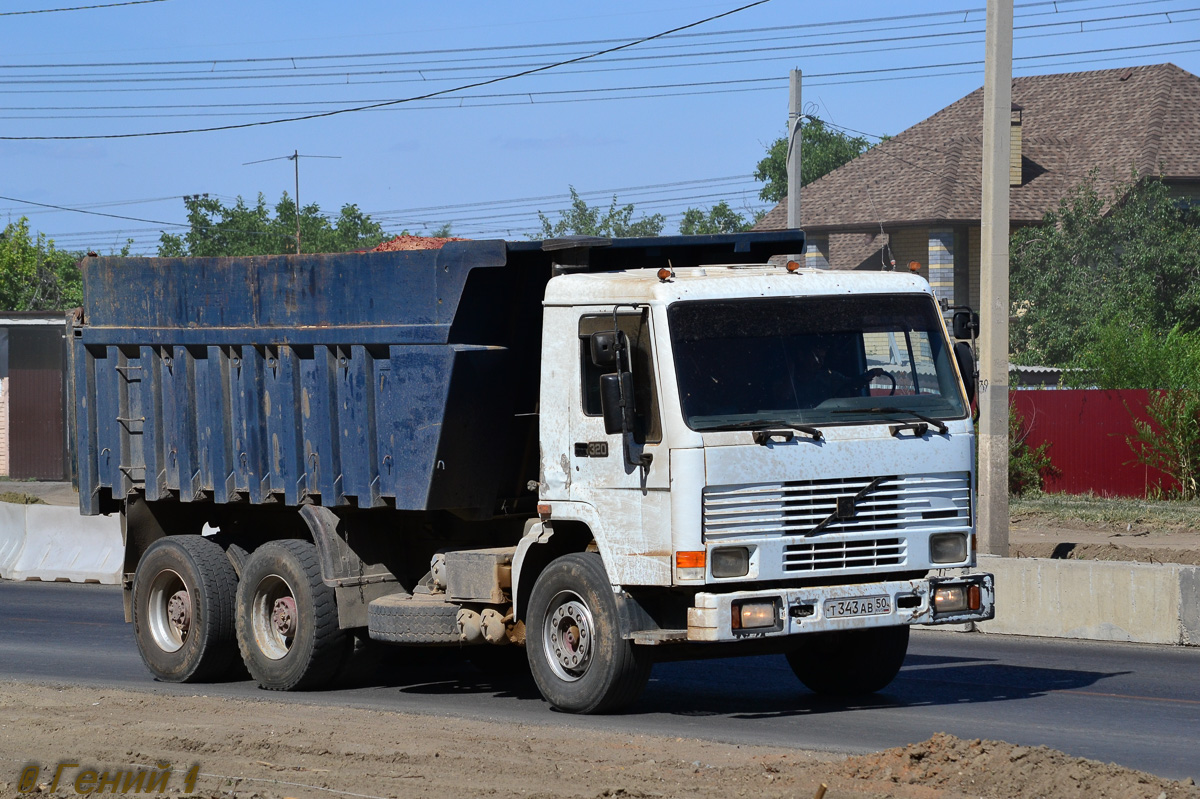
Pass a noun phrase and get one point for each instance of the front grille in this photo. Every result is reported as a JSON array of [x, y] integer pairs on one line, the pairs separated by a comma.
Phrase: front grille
[[820, 555], [799, 507]]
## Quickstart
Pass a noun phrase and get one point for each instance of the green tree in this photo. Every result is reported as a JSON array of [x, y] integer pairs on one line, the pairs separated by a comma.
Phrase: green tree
[[584, 220], [719, 219], [34, 276], [822, 150], [219, 230], [1131, 256]]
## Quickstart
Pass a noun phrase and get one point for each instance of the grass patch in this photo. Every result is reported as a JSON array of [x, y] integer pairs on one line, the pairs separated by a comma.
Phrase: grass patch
[[1110, 510], [20, 498]]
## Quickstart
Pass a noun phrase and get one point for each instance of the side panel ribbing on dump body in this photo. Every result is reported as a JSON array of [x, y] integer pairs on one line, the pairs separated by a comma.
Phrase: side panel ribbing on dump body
[[331, 379], [399, 379]]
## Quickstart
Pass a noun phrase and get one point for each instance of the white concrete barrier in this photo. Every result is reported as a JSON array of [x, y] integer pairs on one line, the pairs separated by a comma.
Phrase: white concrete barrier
[[12, 535], [1096, 600], [59, 544]]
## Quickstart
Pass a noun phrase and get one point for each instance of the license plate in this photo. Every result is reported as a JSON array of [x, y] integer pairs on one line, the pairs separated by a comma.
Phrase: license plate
[[857, 606]]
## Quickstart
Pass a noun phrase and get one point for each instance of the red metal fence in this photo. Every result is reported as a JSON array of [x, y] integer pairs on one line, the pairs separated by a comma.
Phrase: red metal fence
[[1087, 430]]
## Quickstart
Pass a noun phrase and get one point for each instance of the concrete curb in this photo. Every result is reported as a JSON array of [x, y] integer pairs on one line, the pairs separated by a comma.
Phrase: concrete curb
[[12, 536], [1095, 600], [46, 542]]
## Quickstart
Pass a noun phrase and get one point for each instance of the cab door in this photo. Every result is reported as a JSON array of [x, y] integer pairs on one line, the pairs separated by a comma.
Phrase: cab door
[[631, 500]]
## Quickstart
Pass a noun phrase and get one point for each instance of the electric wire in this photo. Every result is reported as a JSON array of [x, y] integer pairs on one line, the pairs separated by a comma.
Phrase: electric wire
[[457, 52], [401, 216], [530, 95], [634, 61], [78, 8], [426, 96]]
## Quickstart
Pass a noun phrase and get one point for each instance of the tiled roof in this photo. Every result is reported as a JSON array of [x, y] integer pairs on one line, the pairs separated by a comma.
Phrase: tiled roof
[[1112, 120]]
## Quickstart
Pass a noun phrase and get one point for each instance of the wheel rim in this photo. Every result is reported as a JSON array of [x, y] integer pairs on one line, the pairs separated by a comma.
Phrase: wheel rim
[[273, 618], [567, 635], [169, 608]]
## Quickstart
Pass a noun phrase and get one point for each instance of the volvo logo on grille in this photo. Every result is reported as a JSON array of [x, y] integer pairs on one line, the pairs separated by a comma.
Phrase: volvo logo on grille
[[847, 507]]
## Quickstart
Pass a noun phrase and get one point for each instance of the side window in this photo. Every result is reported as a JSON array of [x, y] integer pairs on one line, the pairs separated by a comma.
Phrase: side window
[[907, 357], [636, 327]]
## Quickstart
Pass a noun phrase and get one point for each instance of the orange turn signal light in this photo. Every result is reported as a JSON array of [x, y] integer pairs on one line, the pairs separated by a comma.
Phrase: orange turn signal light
[[689, 560]]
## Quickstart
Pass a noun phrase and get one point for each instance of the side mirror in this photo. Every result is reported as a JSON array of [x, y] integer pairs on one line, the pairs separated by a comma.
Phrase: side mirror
[[604, 348], [966, 365], [966, 324], [616, 418]]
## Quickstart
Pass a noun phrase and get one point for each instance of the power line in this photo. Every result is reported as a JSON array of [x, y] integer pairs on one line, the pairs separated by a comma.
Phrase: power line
[[300, 104], [965, 12], [424, 71], [78, 8], [530, 213], [92, 213], [392, 102], [676, 90], [108, 204]]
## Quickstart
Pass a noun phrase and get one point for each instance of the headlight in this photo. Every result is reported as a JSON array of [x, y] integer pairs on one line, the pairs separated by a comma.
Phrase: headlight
[[753, 615], [731, 562], [948, 548], [957, 598]]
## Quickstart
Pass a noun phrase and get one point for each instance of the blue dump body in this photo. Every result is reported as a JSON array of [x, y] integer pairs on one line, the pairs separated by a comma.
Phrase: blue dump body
[[406, 380]]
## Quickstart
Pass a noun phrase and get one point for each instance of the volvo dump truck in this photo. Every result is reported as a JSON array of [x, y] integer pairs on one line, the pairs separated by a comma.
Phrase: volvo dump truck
[[608, 452]]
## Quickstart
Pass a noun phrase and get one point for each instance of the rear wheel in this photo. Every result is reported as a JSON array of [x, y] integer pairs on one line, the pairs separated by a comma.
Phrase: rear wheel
[[287, 622], [183, 597], [850, 662], [578, 658]]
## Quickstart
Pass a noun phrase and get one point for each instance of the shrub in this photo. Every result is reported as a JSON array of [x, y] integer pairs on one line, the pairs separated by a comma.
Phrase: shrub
[[1028, 467]]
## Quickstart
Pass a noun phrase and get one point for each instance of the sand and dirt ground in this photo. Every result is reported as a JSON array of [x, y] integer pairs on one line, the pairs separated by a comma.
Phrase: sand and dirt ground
[[256, 749]]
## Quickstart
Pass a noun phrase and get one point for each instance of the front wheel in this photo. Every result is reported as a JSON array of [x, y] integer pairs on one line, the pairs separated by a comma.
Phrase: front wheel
[[183, 593], [850, 662], [579, 660], [287, 621]]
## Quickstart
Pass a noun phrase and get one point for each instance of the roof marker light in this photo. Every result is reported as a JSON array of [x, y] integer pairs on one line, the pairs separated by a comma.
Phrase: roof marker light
[[793, 266]]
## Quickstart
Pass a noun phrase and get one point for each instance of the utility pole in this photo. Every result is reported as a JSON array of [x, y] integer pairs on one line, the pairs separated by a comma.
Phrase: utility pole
[[793, 152], [296, 161], [993, 355], [295, 158]]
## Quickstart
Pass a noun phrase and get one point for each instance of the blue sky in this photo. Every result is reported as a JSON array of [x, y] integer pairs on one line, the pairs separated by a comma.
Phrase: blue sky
[[667, 124]]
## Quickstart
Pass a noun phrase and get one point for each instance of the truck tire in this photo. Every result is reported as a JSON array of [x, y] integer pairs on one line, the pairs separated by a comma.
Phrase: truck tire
[[287, 620], [579, 660], [183, 595], [851, 662]]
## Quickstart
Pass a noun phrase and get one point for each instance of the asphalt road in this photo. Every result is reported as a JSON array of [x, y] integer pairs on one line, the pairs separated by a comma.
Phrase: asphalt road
[[1131, 704]]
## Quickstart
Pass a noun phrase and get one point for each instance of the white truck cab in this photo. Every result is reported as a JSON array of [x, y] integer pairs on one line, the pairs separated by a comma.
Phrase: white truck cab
[[799, 459]]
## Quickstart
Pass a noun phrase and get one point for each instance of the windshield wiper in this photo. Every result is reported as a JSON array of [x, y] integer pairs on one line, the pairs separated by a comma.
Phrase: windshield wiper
[[940, 425], [759, 424]]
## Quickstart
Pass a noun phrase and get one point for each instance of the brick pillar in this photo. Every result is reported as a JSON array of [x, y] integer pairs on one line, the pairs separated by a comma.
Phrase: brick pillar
[[816, 252], [941, 263]]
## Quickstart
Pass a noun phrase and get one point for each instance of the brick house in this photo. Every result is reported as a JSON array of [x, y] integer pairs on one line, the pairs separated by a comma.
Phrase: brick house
[[919, 193]]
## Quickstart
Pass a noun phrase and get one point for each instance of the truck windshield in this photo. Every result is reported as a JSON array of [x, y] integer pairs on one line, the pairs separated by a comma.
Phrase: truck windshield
[[767, 362]]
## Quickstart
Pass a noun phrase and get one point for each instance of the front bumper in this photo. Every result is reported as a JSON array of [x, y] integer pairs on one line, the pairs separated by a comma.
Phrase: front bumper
[[803, 610]]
